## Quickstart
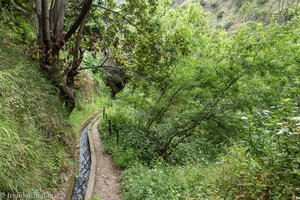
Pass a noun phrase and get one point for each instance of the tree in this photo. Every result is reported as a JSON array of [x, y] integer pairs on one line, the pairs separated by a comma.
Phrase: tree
[[51, 39], [201, 95], [67, 28], [108, 20]]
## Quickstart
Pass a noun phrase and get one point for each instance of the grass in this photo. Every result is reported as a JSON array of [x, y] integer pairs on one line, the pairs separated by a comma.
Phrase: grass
[[96, 198], [35, 134], [85, 110], [37, 137]]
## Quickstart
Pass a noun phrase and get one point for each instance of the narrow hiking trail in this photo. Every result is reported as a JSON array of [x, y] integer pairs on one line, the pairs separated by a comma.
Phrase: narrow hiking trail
[[107, 183]]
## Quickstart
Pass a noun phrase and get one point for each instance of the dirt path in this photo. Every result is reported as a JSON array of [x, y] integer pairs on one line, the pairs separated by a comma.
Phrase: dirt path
[[106, 180]]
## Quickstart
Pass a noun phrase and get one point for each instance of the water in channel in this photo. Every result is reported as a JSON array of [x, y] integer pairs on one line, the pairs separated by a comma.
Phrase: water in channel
[[84, 167]]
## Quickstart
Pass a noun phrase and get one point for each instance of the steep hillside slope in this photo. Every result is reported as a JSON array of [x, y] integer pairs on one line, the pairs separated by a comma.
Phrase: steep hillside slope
[[35, 135], [229, 14]]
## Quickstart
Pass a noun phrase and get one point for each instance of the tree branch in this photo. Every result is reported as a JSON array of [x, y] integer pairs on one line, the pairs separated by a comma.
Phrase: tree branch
[[126, 19], [39, 16], [206, 114], [101, 66], [46, 24], [163, 108], [19, 8], [85, 9], [57, 18], [77, 56]]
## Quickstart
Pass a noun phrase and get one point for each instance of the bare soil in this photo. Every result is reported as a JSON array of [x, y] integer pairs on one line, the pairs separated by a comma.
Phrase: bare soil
[[107, 183]]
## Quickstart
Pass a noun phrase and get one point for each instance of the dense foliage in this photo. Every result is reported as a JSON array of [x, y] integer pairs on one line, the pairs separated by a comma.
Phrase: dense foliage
[[185, 104], [262, 164]]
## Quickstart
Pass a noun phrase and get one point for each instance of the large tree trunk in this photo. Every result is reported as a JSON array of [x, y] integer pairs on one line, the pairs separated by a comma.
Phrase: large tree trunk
[[52, 38]]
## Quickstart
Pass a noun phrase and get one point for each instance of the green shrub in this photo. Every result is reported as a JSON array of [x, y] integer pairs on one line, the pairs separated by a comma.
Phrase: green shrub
[[160, 182], [119, 139], [265, 163], [273, 138]]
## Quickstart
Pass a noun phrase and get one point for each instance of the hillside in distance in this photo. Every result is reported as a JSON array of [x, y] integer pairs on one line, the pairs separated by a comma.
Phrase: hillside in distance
[[230, 14]]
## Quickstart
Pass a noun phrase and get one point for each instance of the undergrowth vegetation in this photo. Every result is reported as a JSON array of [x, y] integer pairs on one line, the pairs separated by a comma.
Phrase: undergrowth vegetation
[[91, 98], [263, 163], [35, 135]]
